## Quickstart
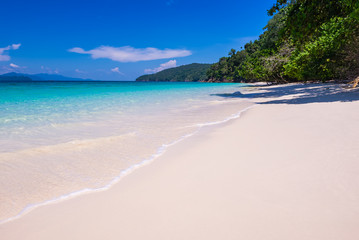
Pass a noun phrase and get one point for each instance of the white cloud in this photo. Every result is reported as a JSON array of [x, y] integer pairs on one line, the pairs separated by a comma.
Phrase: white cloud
[[130, 54], [79, 71], [116, 70], [49, 70], [16, 46], [163, 66], [4, 57], [77, 50], [14, 65]]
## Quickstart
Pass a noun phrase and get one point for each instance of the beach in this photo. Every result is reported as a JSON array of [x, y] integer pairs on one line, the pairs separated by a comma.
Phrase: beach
[[286, 168]]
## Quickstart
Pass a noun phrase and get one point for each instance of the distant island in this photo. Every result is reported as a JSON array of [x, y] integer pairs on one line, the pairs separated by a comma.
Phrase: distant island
[[195, 72], [5, 78], [22, 77]]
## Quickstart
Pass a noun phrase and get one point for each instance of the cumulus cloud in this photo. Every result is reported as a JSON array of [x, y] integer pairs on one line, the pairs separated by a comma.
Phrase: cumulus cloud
[[16, 46], [14, 65], [163, 66], [116, 70], [130, 54], [5, 57]]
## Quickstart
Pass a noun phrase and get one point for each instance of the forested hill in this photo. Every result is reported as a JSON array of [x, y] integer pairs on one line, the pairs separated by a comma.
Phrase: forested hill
[[14, 78], [304, 40], [22, 77], [194, 72]]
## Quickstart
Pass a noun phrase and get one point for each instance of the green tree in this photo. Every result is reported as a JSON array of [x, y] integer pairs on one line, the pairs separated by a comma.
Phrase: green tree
[[304, 40]]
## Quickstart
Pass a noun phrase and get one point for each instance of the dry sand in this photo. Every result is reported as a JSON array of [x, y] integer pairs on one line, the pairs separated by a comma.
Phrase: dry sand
[[286, 169]]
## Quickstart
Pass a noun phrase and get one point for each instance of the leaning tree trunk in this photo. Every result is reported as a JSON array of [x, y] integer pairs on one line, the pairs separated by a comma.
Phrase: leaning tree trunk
[[356, 82]]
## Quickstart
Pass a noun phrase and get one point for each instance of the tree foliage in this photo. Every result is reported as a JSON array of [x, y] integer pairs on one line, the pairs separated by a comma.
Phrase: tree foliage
[[187, 73], [304, 40]]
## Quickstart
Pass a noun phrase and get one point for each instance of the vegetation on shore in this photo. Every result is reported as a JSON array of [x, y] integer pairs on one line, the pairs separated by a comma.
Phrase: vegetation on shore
[[194, 72], [304, 40]]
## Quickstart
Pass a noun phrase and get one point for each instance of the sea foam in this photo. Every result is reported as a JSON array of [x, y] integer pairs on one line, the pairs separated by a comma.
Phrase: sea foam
[[87, 143]]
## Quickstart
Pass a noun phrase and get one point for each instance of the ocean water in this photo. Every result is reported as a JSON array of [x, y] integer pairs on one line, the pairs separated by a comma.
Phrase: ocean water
[[62, 139]]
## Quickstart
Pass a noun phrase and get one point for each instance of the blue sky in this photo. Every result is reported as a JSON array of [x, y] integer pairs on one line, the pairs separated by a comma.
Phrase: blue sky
[[121, 40]]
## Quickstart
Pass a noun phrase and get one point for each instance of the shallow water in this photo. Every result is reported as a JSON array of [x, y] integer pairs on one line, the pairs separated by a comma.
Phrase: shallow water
[[59, 139]]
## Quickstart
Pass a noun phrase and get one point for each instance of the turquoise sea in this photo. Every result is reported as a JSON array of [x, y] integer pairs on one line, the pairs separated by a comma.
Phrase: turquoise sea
[[62, 139]]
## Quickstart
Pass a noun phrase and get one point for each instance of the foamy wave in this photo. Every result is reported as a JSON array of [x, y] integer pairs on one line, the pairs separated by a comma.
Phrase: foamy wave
[[160, 151]]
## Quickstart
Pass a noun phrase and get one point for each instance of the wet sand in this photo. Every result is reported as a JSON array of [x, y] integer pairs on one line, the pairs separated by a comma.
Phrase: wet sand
[[286, 169]]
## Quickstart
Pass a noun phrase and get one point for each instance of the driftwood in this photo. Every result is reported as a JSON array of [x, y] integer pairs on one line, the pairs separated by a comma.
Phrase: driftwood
[[355, 82]]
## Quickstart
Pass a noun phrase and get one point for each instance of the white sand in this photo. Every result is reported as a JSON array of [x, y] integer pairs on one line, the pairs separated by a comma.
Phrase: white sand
[[287, 170]]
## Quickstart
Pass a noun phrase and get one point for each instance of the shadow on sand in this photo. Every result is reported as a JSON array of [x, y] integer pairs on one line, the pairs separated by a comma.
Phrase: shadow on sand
[[302, 94]]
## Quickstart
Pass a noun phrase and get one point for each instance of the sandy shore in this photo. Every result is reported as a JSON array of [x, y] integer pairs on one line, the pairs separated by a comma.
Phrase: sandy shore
[[286, 169]]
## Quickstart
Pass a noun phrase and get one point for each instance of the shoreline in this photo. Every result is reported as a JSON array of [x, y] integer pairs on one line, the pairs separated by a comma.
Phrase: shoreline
[[60, 156], [263, 176], [160, 151]]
